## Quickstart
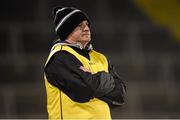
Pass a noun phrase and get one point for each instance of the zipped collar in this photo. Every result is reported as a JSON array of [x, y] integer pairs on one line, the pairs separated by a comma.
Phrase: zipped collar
[[77, 45]]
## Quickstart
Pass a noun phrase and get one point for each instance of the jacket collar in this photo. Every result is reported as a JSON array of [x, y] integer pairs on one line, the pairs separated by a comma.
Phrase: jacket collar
[[77, 45]]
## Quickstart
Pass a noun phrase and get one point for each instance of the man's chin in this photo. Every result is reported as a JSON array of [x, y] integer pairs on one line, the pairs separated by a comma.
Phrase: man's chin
[[86, 40]]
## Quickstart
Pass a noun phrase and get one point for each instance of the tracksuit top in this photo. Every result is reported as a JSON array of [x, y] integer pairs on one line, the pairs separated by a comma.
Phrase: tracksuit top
[[60, 106]]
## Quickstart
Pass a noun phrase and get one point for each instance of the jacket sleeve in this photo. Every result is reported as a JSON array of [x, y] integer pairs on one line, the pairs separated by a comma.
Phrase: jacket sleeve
[[116, 97], [63, 71]]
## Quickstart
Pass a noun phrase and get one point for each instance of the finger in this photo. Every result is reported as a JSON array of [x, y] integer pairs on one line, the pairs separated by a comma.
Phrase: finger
[[84, 69]]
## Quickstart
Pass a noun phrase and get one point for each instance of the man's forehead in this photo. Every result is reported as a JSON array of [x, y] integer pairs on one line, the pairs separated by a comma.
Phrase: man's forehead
[[84, 22]]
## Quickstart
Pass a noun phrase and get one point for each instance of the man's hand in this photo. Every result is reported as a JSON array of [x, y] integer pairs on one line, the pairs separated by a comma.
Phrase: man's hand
[[85, 69]]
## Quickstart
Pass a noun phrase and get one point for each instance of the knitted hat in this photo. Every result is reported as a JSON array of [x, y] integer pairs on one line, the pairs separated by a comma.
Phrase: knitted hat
[[66, 19]]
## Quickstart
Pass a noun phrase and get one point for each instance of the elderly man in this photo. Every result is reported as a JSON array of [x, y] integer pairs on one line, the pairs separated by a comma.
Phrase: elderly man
[[80, 82]]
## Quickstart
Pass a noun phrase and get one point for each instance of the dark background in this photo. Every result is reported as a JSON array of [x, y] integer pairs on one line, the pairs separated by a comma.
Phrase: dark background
[[145, 53]]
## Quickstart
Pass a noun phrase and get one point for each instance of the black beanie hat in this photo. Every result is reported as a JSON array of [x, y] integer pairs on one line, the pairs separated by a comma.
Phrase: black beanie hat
[[66, 19]]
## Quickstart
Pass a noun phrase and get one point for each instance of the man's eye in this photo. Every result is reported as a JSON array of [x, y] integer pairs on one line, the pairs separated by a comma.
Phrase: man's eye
[[79, 25]]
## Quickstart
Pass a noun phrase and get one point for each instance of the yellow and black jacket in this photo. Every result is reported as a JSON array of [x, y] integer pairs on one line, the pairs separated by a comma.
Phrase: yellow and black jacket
[[75, 94]]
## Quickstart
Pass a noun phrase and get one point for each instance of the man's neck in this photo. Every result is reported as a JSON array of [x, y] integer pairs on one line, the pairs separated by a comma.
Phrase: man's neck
[[83, 45], [70, 41]]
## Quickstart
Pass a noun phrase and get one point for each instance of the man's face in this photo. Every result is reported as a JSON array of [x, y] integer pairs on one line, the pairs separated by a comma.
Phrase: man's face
[[81, 33]]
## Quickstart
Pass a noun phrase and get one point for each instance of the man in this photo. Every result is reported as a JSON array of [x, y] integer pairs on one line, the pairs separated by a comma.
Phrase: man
[[80, 82]]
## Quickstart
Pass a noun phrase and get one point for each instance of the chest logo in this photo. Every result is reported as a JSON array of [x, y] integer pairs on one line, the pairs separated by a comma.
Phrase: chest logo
[[91, 63]]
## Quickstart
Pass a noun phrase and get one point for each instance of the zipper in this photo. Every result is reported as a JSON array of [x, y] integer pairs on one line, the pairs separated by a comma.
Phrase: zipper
[[61, 106]]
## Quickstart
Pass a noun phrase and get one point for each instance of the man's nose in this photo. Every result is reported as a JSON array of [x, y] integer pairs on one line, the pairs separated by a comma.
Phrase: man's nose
[[86, 28]]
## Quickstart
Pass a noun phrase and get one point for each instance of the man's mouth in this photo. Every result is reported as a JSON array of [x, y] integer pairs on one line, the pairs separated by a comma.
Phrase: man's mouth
[[85, 34]]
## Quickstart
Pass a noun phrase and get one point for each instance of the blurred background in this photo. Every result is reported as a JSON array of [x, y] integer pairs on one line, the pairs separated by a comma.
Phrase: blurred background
[[140, 37]]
